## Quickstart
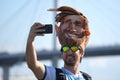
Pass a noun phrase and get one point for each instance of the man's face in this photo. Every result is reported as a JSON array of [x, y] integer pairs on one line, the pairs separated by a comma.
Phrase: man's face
[[72, 58]]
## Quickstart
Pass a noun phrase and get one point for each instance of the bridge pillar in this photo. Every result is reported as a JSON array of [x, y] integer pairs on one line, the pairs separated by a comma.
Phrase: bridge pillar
[[6, 72], [55, 61]]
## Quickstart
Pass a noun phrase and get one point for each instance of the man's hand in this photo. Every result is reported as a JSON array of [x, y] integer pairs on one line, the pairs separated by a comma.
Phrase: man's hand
[[35, 30]]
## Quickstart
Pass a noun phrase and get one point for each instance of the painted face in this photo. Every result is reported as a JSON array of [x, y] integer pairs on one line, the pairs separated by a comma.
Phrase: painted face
[[71, 30], [73, 26]]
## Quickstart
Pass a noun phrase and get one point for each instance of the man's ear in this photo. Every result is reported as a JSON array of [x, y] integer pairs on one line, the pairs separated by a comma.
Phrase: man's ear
[[82, 54], [56, 29]]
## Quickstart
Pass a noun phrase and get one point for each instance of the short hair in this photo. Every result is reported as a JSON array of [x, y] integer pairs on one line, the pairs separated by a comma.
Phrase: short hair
[[65, 11]]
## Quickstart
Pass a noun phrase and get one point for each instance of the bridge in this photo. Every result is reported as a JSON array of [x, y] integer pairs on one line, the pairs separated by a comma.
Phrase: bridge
[[7, 60]]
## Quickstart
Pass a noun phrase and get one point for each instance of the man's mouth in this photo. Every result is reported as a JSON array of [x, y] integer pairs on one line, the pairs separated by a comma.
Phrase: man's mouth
[[70, 57], [74, 35]]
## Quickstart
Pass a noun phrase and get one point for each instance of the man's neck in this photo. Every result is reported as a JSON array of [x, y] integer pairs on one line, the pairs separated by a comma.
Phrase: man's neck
[[73, 69]]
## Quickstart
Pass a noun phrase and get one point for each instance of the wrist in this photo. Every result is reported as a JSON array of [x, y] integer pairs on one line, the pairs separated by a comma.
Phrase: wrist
[[30, 39]]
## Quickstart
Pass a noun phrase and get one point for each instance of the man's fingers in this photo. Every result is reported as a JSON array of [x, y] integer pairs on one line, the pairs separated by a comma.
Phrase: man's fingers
[[40, 31], [37, 30]]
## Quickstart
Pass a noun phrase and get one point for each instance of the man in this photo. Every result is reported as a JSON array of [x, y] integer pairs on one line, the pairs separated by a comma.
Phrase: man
[[73, 34]]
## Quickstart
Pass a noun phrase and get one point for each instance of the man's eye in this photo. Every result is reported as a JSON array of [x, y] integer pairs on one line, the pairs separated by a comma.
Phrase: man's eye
[[77, 23], [67, 21]]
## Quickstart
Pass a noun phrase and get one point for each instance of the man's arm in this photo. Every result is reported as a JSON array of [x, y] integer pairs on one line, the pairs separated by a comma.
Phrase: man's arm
[[31, 55]]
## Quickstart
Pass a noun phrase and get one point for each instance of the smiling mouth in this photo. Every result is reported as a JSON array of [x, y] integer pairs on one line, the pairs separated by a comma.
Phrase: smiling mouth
[[74, 35]]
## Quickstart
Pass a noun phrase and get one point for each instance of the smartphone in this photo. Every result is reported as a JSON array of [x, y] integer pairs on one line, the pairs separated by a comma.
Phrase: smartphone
[[48, 29]]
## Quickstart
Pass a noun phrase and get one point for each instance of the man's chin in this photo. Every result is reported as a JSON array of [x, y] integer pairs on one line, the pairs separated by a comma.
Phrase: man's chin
[[70, 63]]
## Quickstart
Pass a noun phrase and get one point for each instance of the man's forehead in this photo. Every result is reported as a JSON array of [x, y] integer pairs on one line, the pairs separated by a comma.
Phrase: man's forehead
[[73, 18]]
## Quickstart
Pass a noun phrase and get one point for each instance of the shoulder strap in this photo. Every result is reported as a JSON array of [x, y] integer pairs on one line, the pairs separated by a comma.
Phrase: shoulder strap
[[60, 75], [86, 76]]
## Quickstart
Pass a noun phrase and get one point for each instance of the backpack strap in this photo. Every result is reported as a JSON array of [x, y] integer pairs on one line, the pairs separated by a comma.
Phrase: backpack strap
[[86, 76], [60, 75]]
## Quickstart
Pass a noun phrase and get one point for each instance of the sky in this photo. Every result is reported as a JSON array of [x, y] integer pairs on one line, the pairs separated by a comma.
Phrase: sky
[[16, 18]]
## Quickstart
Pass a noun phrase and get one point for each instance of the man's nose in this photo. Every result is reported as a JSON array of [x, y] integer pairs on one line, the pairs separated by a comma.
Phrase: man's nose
[[72, 27], [70, 52]]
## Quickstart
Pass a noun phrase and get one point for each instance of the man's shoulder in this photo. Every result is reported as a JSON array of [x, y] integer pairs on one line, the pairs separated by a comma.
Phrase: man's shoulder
[[86, 75], [50, 71], [61, 76]]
